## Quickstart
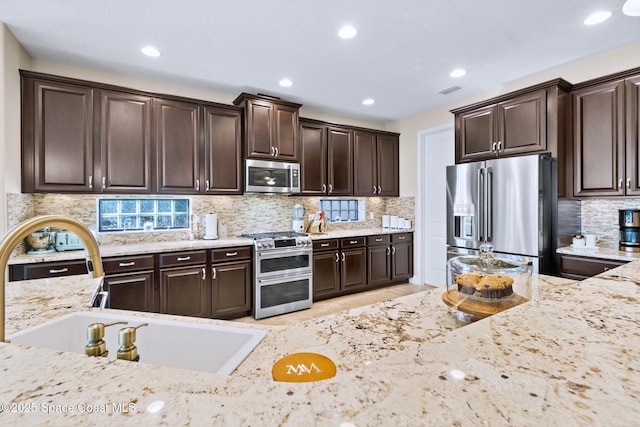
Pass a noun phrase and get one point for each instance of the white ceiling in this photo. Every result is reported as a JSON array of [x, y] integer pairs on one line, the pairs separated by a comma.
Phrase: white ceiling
[[401, 57]]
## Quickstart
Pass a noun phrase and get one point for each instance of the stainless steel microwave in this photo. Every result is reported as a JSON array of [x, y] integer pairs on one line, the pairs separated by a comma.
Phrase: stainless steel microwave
[[271, 177]]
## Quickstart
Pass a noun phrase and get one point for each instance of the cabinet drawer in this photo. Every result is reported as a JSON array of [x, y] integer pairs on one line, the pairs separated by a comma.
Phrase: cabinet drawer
[[325, 245], [44, 270], [231, 254], [178, 259], [380, 239], [401, 237], [127, 264], [352, 242], [581, 267]]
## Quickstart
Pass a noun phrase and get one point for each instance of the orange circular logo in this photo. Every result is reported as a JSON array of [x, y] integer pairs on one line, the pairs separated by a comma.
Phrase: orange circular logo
[[303, 367]]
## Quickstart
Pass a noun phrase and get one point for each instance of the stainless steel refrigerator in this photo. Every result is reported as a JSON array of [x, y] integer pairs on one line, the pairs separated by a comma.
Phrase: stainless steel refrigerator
[[511, 203]]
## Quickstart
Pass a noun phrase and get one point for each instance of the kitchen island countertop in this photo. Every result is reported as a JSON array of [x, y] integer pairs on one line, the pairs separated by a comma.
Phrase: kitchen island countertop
[[568, 357]]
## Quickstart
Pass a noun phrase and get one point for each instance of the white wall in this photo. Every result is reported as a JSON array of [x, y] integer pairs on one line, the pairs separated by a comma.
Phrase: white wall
[[12, 57], [610, 62]]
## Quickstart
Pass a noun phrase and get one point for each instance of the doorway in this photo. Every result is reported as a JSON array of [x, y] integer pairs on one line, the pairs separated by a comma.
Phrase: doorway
[[435, 152]]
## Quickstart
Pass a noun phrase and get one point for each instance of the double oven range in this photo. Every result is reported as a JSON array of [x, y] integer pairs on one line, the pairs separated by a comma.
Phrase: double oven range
[[282, 273]]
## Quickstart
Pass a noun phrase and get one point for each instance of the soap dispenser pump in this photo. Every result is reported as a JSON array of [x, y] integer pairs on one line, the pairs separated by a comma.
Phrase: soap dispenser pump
[[126, 341], [96, 347]]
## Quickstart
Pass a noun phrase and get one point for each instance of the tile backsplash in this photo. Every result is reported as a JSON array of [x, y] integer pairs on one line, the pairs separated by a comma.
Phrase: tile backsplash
[[238, 214], [600, 217]]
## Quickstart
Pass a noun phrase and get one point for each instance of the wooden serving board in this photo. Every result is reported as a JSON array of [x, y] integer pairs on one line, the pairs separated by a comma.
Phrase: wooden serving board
[[478, 308]]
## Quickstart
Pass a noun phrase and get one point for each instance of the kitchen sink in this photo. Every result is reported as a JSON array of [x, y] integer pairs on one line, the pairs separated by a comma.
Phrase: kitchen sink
[[199, 347]]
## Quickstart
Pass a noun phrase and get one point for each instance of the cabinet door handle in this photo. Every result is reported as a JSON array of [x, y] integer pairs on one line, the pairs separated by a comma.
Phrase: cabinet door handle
[[60, 270], [277, 151], [204, 273], [324, 245], [330, 188], [620, 184], [337, 257], [379, 239], [183, 258], [494, 148], [324, 188], [393, 250], [388, 251], [379, 189], [91, 182], [499, 146], [628, 183], [273, 151], [374, 189], [231, 253], [126, 264], [206, 185], [104, 183], [353, 242], [401, 238], [197, 185], [213, 273], [343, 257]]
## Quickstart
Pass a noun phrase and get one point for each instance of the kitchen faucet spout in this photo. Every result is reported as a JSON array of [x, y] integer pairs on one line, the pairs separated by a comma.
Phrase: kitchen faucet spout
[[22, 230]]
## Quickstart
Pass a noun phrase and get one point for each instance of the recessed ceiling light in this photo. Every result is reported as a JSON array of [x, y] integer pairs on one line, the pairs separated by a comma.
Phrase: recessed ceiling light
[[286, 83], [150, 51], [458, 72], [368, 101], [631, 8], [597, 17], [347, 32]]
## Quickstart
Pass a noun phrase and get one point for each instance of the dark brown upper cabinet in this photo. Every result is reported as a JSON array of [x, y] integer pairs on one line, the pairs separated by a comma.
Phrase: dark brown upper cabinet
[[222, 150], [58, 152], [125, 141], [375, 164], [527, 121], [326, 159], [85, 137], [271, 127], [606, 141], [178, 146]]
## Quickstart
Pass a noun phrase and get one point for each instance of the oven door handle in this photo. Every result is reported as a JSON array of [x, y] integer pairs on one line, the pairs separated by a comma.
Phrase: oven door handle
[[279, 254], [286, 278]]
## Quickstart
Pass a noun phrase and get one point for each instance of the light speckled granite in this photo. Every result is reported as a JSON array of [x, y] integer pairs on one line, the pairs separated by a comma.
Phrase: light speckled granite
[[110, 250], [604, 252], [569, 357]]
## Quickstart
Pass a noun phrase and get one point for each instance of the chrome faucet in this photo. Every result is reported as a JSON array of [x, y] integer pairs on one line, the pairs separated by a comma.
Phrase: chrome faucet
[[22, 230]]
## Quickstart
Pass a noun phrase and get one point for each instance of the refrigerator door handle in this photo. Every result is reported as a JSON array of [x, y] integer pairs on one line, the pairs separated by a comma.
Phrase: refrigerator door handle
[[480, 206], [489, 205]]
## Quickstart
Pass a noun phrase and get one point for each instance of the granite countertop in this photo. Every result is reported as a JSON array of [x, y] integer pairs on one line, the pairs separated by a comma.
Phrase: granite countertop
[[567, 357], [180, 245], [604, 252]]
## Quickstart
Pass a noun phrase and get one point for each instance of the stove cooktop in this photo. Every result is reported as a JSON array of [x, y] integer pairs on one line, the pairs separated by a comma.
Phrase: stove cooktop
[[274, 235]]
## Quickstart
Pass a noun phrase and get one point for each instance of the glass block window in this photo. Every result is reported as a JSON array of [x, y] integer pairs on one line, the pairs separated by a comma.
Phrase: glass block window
[[140, 214], [341, 210]]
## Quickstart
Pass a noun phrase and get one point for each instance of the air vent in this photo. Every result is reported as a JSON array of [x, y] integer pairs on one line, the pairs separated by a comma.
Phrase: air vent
[[448, 90]]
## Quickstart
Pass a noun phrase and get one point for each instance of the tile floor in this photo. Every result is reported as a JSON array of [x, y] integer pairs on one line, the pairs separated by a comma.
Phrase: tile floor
[[338, 304]]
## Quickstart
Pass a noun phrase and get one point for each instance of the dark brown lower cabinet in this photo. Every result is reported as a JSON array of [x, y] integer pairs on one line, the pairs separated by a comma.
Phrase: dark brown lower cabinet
[[401, 256], [389, 258], [184, 288], [378, 260], [326, 271], [130, 281], [580, 268], [184, 291], [132, 291], [353, 269], [231, 282]]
